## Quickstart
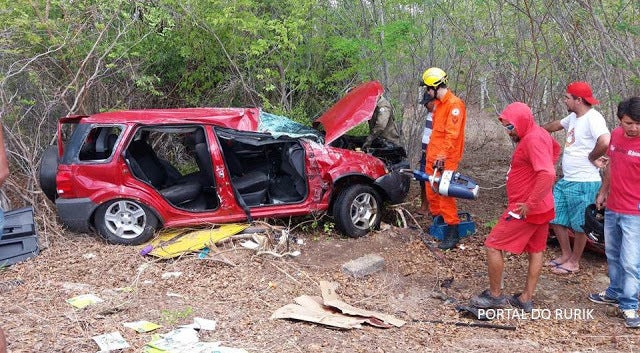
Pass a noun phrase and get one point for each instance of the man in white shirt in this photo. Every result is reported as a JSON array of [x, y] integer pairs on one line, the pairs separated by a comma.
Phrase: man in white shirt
[[587, 139], [429, 103]]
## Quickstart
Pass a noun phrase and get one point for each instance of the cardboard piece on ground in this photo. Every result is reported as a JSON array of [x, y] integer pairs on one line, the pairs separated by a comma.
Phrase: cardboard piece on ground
[[331, 311], [175, 243], [315, 303], [330, 298], [319, 316]]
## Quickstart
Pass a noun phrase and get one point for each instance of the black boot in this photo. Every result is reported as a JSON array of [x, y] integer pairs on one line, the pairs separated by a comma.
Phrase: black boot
[[451, 238]]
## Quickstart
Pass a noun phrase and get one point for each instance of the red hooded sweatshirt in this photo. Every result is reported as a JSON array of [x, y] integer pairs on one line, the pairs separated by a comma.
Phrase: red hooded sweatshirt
[[532, 173]]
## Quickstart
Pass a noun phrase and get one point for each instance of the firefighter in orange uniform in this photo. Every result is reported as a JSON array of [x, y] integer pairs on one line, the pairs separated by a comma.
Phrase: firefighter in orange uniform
[[445, 148]]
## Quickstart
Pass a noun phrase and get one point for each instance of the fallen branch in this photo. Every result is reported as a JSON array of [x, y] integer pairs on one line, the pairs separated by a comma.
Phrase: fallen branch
[[285, 273], [401, 211], [468, 324]]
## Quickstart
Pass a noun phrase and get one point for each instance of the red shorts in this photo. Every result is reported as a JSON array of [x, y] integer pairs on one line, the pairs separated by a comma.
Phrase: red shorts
[[517, 236]]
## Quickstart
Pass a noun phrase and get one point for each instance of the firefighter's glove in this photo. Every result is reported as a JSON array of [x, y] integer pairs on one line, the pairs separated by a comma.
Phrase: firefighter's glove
[[438, 164]]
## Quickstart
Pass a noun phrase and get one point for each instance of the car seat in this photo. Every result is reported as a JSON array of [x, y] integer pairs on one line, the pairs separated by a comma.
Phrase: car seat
[[146, 165], [203, 159], [105, 142], [291, 173], [252, 185]]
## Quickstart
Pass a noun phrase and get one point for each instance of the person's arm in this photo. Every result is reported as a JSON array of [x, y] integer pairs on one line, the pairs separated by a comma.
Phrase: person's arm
[[603, 193], [599, 149], [553, 126], [541, 188], [453, 128], [4, 163]]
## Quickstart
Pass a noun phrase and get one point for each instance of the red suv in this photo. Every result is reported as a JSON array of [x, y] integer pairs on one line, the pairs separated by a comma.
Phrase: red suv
[[128, 173]]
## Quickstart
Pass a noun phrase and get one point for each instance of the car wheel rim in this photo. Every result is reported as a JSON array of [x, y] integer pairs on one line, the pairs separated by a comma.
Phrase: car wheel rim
[[364, 209], [125, 219]]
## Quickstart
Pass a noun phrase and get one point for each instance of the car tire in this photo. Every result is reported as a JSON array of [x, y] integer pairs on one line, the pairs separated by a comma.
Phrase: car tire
[[357, 210], [48, 171], [125, 222]]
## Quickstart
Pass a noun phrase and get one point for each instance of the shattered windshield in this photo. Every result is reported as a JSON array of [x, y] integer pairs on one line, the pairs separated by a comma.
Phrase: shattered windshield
[[282, 126]]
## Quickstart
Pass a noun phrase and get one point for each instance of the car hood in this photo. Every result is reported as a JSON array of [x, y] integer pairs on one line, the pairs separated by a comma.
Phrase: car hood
[[355, 107]]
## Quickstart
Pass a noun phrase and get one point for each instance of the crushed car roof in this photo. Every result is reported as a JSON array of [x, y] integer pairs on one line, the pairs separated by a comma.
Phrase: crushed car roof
[[246, 119], [354, 108]]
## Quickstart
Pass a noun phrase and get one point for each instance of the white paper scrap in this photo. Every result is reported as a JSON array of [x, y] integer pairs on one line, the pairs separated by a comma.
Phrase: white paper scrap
[[110, 341], [175, 340], [202, 324], [168, 275], [250, 244]]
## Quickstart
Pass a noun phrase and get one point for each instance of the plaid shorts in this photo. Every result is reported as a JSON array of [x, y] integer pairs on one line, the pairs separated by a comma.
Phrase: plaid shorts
[[571, 200]]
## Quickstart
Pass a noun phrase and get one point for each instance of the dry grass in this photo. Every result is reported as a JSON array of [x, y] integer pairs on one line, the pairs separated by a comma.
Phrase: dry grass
[[241, 297]]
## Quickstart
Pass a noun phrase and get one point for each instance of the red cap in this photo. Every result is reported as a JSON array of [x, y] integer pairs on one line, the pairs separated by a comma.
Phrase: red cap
[[583, 90]]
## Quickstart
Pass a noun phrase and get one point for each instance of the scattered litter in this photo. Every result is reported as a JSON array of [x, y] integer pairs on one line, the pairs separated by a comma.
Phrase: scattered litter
[[175, 340], [177, 242], [146, 250], [201, 324], [202, 254], [168, 275], [175, 295], [249, 244], [329, 310], [110, 341], [142, 326], [197, 347], [84, 300], [262, 245], [89, 255], [185, 340]]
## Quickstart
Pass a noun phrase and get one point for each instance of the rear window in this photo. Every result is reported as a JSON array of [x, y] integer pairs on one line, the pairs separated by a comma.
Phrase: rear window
[[92, 143]]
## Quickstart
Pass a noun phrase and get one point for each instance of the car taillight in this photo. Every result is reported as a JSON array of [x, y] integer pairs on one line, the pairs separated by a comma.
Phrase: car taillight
[[64, 184]]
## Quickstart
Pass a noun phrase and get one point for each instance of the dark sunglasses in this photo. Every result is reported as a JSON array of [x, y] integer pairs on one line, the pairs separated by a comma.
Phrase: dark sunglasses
[[509, 127]]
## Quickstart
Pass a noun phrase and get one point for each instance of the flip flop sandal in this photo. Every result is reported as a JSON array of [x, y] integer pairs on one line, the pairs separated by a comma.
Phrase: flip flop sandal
[[559, 270], [552, 263]]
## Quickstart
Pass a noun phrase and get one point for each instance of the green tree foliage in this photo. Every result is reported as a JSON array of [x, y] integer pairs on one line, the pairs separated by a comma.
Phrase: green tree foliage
[[297, 57]]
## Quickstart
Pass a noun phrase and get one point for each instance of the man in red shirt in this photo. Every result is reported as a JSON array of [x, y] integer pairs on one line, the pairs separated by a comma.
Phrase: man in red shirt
[[446, 146], [524, 225], [619, 193]]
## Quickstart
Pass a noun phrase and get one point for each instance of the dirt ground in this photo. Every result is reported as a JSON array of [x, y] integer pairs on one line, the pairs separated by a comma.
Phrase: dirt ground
[[240, 290]]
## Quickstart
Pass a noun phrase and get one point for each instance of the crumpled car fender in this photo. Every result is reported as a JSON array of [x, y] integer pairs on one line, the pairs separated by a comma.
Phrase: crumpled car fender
[[395, 185]]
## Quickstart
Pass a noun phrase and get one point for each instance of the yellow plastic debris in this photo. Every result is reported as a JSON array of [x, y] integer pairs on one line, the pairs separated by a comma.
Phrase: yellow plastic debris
[[178, 242]]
